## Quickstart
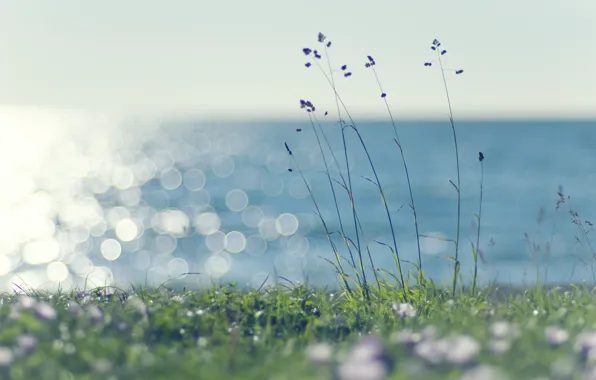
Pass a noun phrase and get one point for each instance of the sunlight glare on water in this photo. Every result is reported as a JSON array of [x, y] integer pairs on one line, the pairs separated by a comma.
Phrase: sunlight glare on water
[[93, 198]]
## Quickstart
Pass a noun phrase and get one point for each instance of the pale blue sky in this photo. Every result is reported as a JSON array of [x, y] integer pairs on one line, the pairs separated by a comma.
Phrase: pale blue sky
[[243, 58]]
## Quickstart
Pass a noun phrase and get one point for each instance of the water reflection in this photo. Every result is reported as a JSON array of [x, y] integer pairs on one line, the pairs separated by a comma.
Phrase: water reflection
[[94, 199]]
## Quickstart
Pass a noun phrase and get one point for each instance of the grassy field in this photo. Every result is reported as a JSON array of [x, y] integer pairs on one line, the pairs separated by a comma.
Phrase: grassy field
[[298, 333]]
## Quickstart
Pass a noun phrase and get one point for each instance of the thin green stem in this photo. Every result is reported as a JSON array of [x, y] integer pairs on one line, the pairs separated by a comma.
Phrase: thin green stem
[[452, 122], [403, 158], [478, 230]]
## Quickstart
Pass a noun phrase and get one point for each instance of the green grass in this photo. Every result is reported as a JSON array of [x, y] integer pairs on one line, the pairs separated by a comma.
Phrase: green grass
[[229, 333]]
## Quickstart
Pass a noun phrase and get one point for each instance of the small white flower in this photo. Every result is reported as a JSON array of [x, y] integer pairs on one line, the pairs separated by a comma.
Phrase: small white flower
[[462, 349], [355, 370], [94, 313], [45, 311], [584, 342], [406, 337], [6, 356], [320, 353], [26, 302], [138, 305], [432, 351], [366, 361], [26, 343], [403, 310], [504, 330], [74, 309], [555, 336], [499, 346]]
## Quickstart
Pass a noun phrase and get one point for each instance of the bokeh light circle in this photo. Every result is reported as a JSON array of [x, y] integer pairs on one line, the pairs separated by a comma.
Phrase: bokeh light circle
[[252, 216], [286, 224], [57, 271], [207, 223], [235, 242], [236, 200], [256, 245], [110, 249], [126, 230], [218, 264], [194, 179]]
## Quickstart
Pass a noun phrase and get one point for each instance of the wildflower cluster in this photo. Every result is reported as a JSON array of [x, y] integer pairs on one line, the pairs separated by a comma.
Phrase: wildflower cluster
[[315, 53], [435, 47], [307, 105]]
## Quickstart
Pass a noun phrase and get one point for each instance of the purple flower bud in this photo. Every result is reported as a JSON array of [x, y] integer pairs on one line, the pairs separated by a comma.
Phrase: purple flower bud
[[348, 74], [321, 37], [288, 149], [329, 44], [367, 65], [370, 58], [326, 113], [433, 48], [443, 52], [383, 95], [427, 64], [316, 54], [436, 42], [459, 71], [307, 64], [306, 51], [344, 67]]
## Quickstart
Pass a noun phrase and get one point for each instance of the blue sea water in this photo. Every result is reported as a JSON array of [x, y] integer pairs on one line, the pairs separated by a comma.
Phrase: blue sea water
[[137, 203]]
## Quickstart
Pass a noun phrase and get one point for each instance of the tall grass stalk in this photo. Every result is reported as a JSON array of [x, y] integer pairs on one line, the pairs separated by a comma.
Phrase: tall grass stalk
[[371, 65], [321, 39], [436, 45], [339, 267], [476, 251], [361, 282], [377, 182]]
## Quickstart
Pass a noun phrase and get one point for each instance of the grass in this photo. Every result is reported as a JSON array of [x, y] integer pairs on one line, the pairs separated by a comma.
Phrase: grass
[[377, 324], [294, 333]]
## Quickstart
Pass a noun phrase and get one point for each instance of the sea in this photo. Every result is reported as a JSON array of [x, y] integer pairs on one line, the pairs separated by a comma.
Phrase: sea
[[94, 199]]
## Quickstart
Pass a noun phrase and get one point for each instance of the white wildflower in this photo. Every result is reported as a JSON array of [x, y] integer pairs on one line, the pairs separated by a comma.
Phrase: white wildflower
[[403, 310]]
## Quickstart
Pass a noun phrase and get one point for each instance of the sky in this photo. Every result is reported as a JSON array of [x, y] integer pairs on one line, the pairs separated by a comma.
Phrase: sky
[[242, 59]]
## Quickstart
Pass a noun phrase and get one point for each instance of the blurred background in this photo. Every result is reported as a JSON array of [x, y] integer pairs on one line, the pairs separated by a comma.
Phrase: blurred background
[[145, 140]]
